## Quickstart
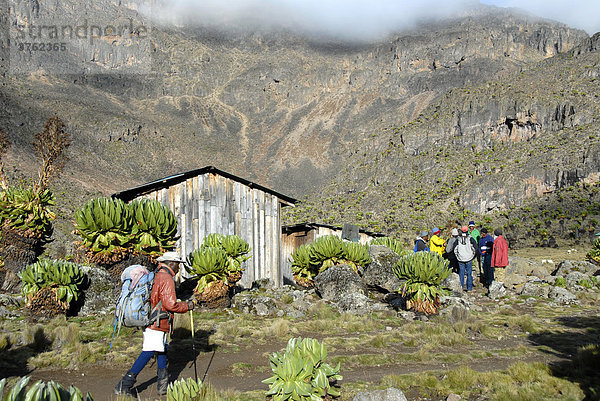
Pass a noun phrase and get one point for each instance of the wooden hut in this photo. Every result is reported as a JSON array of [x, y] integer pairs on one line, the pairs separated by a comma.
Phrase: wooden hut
[[209, 200], [304, 233]]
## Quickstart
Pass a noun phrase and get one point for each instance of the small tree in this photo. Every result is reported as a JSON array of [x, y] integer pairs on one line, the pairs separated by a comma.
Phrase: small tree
[[25, 211]]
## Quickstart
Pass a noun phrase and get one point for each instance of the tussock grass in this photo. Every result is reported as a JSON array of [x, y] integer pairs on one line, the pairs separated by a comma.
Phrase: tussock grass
[[521, 381], [280, 328]]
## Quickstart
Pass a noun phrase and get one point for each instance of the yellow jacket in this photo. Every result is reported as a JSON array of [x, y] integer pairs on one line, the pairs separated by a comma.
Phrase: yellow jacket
[[437, 244]]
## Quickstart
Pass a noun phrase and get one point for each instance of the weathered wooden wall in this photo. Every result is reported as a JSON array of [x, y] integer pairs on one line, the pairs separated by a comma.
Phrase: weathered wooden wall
[[210, 203]]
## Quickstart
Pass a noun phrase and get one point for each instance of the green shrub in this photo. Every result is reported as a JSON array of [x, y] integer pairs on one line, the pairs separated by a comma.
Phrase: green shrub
[[392, 243], [560, 282], [311, 259], [423, 272], [60, 274], [184, 390], [110, 228], [41, 391], [28, 211], [300, 372]]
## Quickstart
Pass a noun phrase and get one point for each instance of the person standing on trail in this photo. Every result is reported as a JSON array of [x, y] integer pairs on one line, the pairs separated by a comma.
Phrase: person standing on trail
[[450, 251], [486, 247], [500, 252], [466, 249], [436, 243], [155, 336], [421, 242], [474, 232]]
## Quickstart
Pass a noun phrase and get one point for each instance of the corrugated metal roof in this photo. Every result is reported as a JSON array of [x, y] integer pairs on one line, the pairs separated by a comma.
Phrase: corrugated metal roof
[[132, 193]]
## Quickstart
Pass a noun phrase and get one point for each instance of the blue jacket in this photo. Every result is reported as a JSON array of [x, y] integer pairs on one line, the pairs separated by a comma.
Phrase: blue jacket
[[486, 245]]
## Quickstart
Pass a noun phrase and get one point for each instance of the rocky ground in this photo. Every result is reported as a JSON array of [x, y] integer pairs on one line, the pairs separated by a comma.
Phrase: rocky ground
[[539, 316]]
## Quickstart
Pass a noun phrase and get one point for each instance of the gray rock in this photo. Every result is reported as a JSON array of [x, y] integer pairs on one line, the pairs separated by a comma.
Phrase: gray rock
[[357, 303], [497, 290], [379, 274], [573, 278], [338, 281], [100, 296], [518, 265], [264, 283], [252, 302], [533, 289], [562, 296], [514, 280], [452, 282], [390, 394], [407, 315], [456, 313], [567, 266], [453, 397], [11, 300]]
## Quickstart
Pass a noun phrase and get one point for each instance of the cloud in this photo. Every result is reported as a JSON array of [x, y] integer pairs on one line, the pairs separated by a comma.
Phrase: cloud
[[351, 20], [582, 14]]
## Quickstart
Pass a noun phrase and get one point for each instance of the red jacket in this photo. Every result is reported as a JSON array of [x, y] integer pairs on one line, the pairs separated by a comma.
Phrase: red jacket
[[164, 290], [500, 254]]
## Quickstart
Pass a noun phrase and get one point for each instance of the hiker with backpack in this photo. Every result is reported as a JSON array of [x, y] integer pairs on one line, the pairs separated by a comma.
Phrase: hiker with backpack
[[449, 254], [421, 242], [163, 302], [466, 249], [437, 243], [500, 252]]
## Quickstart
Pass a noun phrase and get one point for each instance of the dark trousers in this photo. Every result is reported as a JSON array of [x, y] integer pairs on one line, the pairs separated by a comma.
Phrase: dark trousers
[[488, 270]]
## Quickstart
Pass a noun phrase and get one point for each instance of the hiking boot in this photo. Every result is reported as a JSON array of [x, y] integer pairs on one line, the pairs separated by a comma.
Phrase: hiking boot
[[124, 386], [163, 381]]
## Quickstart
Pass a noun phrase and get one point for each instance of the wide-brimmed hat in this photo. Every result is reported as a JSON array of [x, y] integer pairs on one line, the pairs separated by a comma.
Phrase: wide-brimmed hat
[[455, 232], [424, 234], [170, 257], [471, 223]]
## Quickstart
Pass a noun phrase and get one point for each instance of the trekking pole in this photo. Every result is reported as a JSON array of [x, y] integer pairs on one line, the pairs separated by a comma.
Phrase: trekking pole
[[194, 346]]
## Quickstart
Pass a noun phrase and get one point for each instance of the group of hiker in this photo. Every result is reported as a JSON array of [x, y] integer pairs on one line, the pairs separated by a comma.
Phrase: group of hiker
[[466, 244]]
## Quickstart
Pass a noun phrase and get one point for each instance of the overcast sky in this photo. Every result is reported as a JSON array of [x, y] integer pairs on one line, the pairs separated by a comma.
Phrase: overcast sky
[[582, 14], [356, 20]]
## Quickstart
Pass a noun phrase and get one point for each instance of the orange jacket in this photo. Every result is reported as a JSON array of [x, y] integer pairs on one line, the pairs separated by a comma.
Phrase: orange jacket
[[164, 290], [500, 254]]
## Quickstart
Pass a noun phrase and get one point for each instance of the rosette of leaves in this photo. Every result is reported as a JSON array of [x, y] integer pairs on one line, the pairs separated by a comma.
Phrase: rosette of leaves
[[41, 391], [27, 212], [154, 227], [209, 265], [325, 252], [423, 272], [184, 390], [392, 243], [594, 253], [237, 250], [51, 285], [105, 227], [302, 270], [301, 372], [356, 254]]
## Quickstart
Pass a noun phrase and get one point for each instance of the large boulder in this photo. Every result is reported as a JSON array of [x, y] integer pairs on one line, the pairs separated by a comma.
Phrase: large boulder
[[100, 292], [379, 274], [526, 267], [390, 394], [568, 266], [338, 281], [513, 281], [357, 303], [452, 282], [496, 290], [536, 289], [562, 296], [573, 278]]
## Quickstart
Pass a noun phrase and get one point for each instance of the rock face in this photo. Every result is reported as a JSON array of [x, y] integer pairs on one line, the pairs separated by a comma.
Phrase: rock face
[[390, 394], [100, 296], [337, 281], [379, 274]]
